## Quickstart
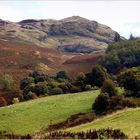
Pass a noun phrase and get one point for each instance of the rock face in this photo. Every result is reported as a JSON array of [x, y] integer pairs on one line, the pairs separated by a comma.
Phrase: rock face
[[73, 34]]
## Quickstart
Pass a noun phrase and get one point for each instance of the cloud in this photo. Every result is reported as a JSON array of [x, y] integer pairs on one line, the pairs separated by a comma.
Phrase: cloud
[[8, 13]]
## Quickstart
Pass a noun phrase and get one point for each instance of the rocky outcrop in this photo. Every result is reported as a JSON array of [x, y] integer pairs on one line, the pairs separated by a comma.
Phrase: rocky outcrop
[[73, 34]]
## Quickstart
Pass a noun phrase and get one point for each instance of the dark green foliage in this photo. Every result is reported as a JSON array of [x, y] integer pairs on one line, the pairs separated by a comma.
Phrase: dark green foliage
[[117, 37], [97, 76], [26, 81], [121, 54], [130, 80], [75, 89], [62, 75], [109, 87], [91, 134], [88, 87], [41, 88], [55, 91], [65, 87], [101, 104], [105, 104]]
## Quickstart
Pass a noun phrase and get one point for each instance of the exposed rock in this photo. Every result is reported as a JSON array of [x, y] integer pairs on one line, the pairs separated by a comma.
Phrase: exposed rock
[[73, 34]]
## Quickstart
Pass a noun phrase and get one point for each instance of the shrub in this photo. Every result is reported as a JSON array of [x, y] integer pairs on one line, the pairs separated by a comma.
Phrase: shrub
[[128, 93], [81, 76], [130, 80], [41, 88], [138, 94], [90, 134], [101, 104], [28, 88], [109, 87], [26, 81], [3, 102], [56, 91], [88, 87], [64, 87], [129, 103], [62, 75], [75, 89], [32, 95], [15, 100], [51, 85], [115, 103], [7, 81], [97, 76]]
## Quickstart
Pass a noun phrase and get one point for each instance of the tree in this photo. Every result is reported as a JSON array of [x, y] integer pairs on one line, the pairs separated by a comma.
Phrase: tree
[[101, 104], [117, 37], [6, 82], [97, 76], [56, 91], [26, 81], [81, 76], [41, 88], [109, 87], [130, 80], [62, 74], [131, 37]]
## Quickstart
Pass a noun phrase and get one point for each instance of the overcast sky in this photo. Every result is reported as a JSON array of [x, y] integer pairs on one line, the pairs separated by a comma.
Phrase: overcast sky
[[122, 16]]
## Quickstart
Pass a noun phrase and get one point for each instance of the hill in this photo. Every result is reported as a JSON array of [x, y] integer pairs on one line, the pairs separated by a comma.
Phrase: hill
[[32, 116], [73, 34], [127, 120]]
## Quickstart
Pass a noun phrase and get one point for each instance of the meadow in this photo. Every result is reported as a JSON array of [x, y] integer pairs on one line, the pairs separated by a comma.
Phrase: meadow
[[34, 115], [126, 120]]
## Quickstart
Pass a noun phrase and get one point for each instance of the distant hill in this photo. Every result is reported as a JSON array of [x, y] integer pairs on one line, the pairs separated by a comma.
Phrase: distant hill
[[73, 34]]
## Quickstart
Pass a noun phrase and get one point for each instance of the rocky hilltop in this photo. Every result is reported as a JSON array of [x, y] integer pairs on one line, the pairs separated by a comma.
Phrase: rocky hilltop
[[73, 34]]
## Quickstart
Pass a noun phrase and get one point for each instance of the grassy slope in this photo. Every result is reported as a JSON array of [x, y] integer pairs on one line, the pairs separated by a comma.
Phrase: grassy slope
[[33, 115], [127, 120]]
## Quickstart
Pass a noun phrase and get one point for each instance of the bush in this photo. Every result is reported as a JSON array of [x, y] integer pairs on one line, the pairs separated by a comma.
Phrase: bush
[[32, 95], [41, 88], [56, 91], [129, 103], [88, 87], [109, 87], [90, 134], [75, 89], [15, 100], [116, 102], [101, 104], [3, 102], [28, 88], [6, 82], [81, 76], [97, 76], [128, 93], [138, 94], [62, 75], [64, 87], [26, 81], [130, 80]]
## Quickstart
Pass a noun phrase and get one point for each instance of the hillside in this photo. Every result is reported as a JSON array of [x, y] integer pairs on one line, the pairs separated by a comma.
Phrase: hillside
[[32, 116], [73, 34], [126, 120]]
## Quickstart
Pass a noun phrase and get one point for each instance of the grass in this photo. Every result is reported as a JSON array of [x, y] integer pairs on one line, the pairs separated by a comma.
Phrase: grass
[[32, 116], [127, 120]]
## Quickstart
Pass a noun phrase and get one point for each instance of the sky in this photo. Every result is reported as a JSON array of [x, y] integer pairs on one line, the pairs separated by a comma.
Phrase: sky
[[121, 16]]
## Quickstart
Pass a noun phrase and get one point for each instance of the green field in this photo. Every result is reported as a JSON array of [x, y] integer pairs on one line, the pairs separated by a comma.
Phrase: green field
[[31, 116], [127, 120]]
